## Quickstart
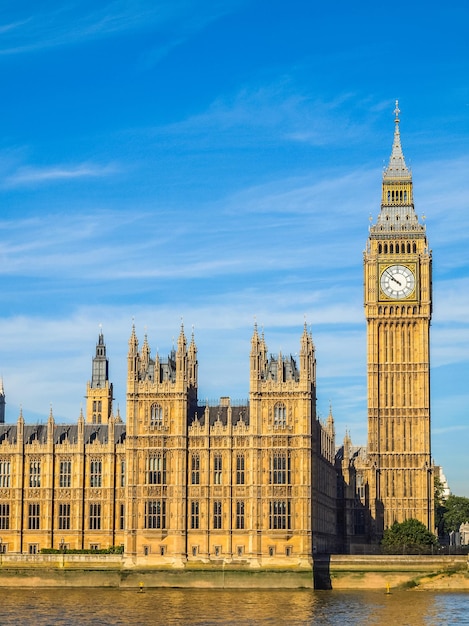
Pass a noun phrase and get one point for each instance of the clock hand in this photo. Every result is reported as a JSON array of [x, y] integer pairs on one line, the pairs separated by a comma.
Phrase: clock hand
[[393, 278]]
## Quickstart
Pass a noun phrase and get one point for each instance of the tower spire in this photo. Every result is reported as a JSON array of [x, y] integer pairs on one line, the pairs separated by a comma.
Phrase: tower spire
[[2, 402], [397, 168], [397, 213]]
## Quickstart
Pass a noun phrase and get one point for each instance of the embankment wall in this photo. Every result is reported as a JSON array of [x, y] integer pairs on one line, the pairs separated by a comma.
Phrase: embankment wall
[[329, 572]]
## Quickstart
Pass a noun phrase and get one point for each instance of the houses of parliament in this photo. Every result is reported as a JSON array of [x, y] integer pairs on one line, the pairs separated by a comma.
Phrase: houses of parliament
[[259, 485]]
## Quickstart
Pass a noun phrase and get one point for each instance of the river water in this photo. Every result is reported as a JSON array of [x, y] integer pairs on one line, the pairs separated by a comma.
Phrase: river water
[[50, 607]]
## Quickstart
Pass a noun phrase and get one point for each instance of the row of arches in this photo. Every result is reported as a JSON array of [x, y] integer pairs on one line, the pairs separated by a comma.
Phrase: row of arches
[[398, 310], [397, 248], [397, 195]]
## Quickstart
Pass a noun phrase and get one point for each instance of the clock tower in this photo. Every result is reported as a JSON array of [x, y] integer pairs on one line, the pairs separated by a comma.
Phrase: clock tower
[[398, 306]]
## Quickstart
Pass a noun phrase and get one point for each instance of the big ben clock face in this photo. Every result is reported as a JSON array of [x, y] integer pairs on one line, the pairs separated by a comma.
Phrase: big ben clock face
[[397, 282]]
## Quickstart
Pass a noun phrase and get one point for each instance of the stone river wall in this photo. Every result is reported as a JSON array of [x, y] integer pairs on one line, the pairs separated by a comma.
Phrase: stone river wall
[[329, 572]]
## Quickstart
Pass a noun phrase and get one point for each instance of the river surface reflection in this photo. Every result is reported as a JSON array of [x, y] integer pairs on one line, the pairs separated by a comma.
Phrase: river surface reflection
[[64, 606]]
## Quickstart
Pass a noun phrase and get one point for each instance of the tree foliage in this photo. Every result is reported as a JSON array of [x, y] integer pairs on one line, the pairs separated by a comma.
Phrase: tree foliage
[[410, 535], [439, 505], [456, 512]]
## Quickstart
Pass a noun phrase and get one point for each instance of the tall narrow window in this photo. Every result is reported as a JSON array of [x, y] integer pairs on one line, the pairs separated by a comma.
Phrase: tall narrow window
[[34, 516], [280, 515], [280, 414], [4, 473], [156, 415], [195, 469], [95, 516], [280, 469], [64, 516], [217, 517], [217, 469], [194, 514], [35, 473], [122, 474], [96, 469], [240, 515], [156, 469], [122, 517], [240, 469], [155, 514], [65, 473], [4, 516]]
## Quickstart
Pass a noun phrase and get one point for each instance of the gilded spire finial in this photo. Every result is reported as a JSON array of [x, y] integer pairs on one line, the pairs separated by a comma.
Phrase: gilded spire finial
[[396, 112]]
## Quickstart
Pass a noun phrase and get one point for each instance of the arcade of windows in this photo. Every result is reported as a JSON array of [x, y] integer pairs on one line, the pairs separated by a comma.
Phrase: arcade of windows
[[397, 195], [397, 248]]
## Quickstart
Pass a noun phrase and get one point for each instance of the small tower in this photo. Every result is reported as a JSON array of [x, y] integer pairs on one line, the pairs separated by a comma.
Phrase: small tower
[[99, 390], [2, 402]]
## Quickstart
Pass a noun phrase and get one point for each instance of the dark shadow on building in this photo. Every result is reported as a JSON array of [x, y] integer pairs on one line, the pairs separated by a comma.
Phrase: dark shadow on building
[[322, 571]]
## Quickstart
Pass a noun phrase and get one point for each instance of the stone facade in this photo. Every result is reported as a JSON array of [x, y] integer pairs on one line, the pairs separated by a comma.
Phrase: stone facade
[[179, 482], [258, 484]]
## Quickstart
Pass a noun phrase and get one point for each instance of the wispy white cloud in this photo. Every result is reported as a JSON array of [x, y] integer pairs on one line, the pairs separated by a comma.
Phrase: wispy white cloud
[[455, 428], [38, 175], [58, 24], [6, 28], [277, 112]]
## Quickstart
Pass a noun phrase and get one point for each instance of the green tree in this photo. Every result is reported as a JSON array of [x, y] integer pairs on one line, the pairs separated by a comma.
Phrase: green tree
[[456, 512], [410, 536], [440, 508]]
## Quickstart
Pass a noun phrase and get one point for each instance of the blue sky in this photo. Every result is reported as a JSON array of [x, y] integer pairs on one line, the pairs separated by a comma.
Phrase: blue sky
[[218, 162]]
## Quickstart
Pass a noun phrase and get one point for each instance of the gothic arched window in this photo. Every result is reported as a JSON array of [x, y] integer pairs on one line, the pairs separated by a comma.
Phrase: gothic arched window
[[280, 414], [156, 415]]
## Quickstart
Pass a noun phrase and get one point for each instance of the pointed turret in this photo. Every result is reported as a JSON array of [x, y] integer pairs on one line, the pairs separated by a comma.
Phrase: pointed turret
[[99, 390], [307, 359], [50, 427], [2, 402], [118, 418], [347, 447], [181, 356], [192, 361], [144, 358], [100, 371], [81, 429], [132, 357], [330, 423], [20, 428], [258, 354]]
